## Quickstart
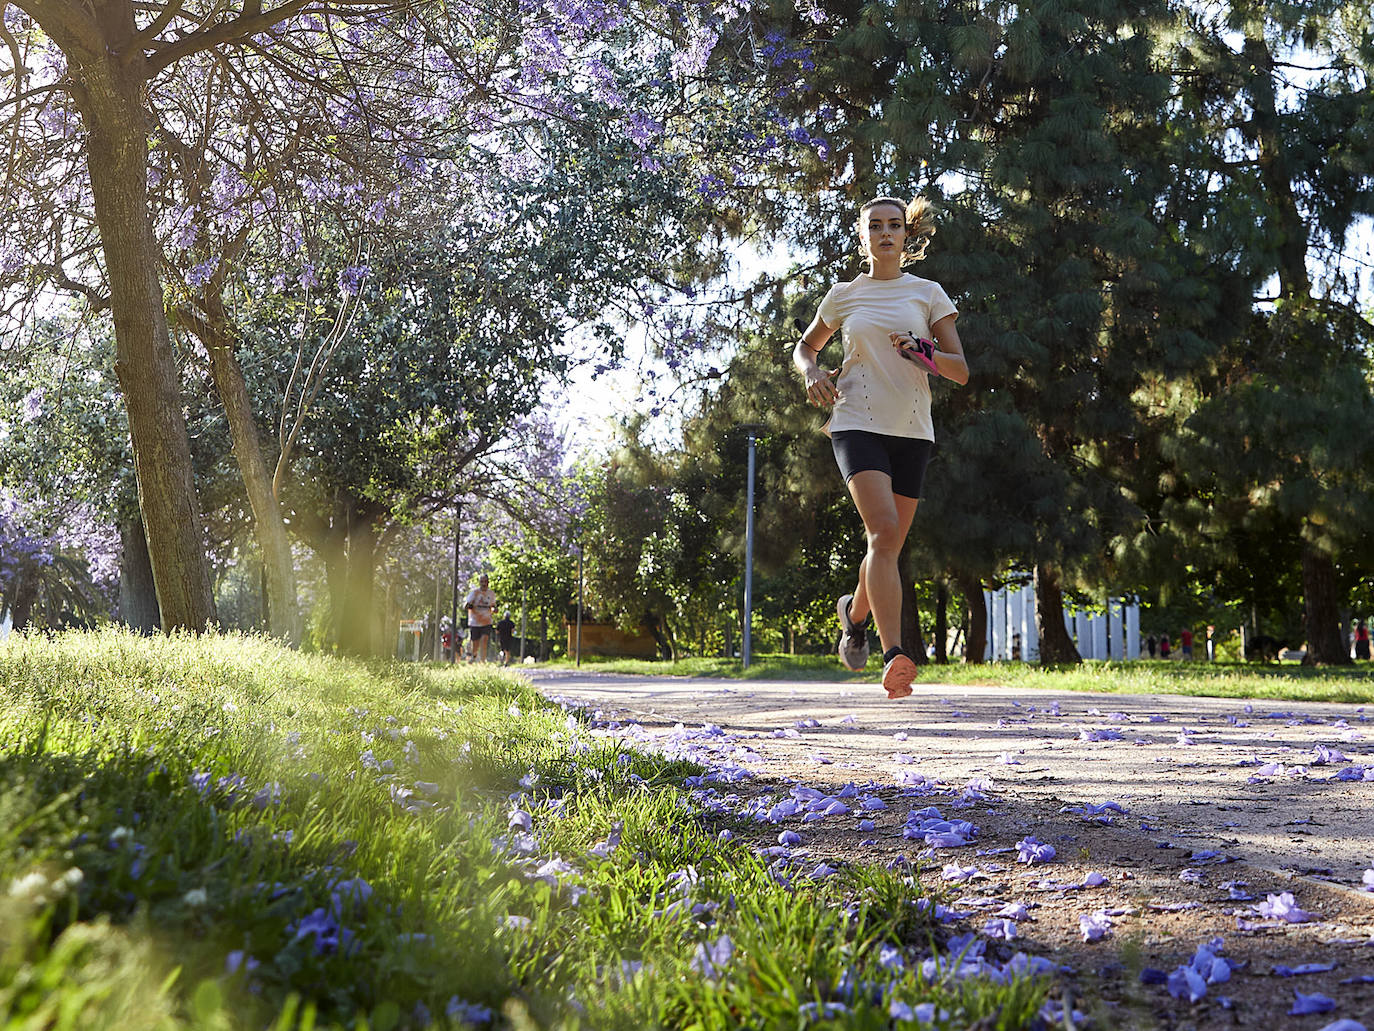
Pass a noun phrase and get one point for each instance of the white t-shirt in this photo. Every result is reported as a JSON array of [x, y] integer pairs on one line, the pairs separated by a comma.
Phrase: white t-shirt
[[880, 391], [482, 603]]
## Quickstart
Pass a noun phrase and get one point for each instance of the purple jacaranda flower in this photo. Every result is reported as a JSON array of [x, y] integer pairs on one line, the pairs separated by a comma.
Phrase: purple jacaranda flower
[[270, 794], [1094, 925], [1094, 880], [1185, 982], [1280, 970], [1007, 759], [1321, 755], [710, 960], [890, 958], [1368, 880], [1013, 911], [602, 849], [1284, 907], [1095, 810], [822, 870], [868, 825], [32, 405], [1031, 850], [813, 1011], [463, 1012], [1000, 927], [1053, 1014], [725, 835], [956, 872], [522, 819], [1343, 1025], [1314, 1003], [552, 872], [347, 893], [328, 935], [789, 838], [240, 960]]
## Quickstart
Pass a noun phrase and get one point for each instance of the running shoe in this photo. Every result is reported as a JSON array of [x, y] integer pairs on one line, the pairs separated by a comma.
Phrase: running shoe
[[898, 674], [853, 637]]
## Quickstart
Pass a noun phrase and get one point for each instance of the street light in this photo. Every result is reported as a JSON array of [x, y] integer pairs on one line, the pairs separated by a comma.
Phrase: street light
[[457, 535], [579, 602], [752, 429]]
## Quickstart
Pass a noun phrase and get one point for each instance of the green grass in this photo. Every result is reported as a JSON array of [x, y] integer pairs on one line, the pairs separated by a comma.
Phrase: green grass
[[1286, 681], [219, 833]]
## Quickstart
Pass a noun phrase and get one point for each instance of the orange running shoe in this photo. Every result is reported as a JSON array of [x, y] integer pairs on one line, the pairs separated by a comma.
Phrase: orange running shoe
[[898, 674]]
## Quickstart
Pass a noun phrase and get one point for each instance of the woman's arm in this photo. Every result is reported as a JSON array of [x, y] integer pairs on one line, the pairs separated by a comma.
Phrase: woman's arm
[[950, 359], [820, 385]]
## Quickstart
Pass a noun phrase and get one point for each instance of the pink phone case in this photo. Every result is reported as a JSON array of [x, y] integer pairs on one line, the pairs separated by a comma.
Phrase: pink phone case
[[923, 353]]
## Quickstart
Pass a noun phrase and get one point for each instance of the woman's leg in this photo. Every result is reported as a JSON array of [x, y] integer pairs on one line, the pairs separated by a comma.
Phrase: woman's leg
[[887, 520]]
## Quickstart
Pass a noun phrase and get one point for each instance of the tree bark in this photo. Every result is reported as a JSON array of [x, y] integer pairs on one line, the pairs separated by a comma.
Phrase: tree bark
[[24, 588], [912, 641], [108, 94], [356, 616], [1321, 610], [137, 595], [976, 638], [283, 607], [941, 622], [1056, 646]]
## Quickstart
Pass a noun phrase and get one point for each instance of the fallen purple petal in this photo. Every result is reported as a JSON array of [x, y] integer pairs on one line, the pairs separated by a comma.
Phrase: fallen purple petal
[[1280, 970], [1284, 907], [1031, 850], [1094, 925], [1314, 1003]]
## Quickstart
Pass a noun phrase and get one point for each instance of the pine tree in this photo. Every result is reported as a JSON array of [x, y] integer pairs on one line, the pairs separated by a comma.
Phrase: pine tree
[[1275, 107]]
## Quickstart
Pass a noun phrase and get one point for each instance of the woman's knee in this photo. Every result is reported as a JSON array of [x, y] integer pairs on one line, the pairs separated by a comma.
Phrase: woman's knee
[[884, 538]]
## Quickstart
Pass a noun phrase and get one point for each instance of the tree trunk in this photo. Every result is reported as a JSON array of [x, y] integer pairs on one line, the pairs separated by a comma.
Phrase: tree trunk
[[912, 641], [24, 589], [107, 91], [1321, 609], [941, 622], [137, 595], [283, 608], [976, 639], [1056, 646], [356, 616]]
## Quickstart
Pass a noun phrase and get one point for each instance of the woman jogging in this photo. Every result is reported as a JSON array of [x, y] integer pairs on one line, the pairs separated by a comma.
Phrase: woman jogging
[[898, 330]]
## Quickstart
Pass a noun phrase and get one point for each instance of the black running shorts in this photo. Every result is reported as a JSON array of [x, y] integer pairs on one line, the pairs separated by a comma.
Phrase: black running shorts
[[904, 459]]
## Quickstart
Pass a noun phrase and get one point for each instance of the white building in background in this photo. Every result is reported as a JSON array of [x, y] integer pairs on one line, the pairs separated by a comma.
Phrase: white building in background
[[1013, 628]]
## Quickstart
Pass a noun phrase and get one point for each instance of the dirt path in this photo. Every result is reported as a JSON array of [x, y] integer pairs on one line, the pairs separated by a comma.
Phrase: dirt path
[[1184, 806]]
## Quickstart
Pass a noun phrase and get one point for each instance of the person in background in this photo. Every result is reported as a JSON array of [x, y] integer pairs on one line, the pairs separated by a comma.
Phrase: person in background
[[505, 637], [1185, 644], [1361, 640], [1164, 647], [480, 604], [1152, 645]]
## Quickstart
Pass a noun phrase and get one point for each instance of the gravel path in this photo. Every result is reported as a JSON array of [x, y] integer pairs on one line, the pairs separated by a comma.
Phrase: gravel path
[[1192, 810]]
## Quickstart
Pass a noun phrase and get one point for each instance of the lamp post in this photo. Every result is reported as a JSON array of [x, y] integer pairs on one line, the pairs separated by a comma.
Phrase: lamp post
[[457, 536], [753, 431], [579, 603]]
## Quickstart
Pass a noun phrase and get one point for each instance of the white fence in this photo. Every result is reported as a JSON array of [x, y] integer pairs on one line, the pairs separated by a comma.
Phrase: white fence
[[1013, 629]]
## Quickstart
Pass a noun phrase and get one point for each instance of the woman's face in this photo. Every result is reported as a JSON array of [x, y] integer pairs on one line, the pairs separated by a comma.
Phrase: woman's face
[[882, 230]]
